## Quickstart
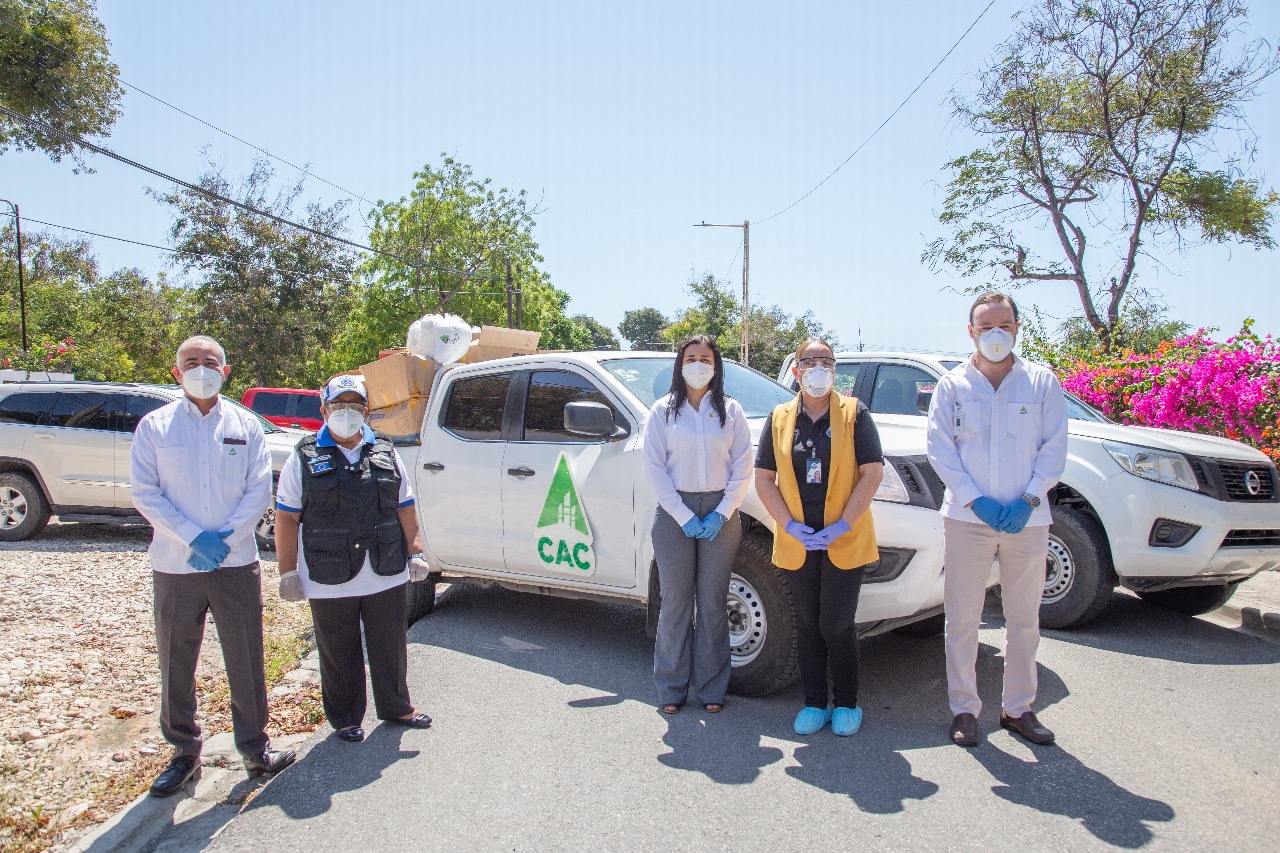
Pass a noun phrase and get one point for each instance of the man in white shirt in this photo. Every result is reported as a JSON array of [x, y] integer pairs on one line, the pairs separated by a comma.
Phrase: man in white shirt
[[998, 439], [201, 475]]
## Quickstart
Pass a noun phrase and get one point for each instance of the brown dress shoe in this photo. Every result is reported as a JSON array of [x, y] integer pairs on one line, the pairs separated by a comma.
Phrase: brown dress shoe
[[964, 730], [1028, 726]]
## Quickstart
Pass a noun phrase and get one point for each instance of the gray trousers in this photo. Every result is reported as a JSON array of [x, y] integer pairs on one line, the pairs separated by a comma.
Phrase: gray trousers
[[691, 653], [234, 595]]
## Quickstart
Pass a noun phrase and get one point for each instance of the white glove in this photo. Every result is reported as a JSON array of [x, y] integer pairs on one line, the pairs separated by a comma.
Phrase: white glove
[[418, 568], [291, 587]]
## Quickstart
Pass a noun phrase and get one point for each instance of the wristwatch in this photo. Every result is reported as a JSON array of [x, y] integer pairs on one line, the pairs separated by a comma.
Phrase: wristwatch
[[417, 556], [1033, 500]]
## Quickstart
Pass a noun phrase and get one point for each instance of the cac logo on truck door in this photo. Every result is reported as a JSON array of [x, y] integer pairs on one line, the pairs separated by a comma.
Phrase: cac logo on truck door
[[564, 534]]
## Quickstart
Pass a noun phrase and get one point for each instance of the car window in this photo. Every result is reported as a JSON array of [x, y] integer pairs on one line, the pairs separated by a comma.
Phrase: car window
[[306, 406], [81, 410], [549, 392], [476, 405], [267, 426], [131, 407], [270, 404], [1078, 410], [901, 390], [24, 408], [949, 365], [650, 378]]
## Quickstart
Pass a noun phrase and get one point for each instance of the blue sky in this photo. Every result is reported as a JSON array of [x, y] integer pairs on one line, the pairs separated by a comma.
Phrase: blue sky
[[630, 122]]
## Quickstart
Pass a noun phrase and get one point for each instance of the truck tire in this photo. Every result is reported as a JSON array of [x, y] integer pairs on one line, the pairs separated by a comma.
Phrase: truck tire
[[23, 510], [925, 629], [762, 622], [1079, 577], [420, 598], [1191, 600]]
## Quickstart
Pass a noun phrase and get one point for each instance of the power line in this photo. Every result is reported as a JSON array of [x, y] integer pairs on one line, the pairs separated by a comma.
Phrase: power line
[[106, 152], [883, 123], [209, 125], [278, 269]]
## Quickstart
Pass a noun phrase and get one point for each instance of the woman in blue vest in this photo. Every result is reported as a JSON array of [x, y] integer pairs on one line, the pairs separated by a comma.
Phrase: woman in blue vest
[[697, 456], [346, 526], [817, 468]]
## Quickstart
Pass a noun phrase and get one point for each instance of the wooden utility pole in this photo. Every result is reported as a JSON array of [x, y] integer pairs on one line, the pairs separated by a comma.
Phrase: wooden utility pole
[[746, 301], [22, 288], [510, 295]]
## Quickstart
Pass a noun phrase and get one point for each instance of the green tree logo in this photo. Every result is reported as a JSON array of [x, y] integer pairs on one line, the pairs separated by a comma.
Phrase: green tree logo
[[569, 543]]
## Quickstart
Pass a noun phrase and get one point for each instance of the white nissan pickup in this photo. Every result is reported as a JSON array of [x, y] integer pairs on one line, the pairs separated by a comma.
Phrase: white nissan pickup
[[529, 476], [1179, 518]]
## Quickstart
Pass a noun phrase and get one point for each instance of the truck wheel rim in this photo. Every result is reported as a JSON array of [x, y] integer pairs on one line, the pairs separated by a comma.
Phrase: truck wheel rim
[[1059, 571], [13, 507], [748, 625], [267, 524]]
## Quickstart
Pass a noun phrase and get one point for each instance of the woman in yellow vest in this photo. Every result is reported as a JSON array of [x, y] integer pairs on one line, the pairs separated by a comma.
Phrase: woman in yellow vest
[[817, 468]]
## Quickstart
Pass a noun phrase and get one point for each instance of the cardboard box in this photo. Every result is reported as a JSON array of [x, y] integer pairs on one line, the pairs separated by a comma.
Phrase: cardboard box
[[500, 342], [398, 378], [383, 353], [400, 420]]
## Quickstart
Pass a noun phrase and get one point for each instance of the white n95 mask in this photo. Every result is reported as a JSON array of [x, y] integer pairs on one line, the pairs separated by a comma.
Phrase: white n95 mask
[[817, 381], [344, 423], [995, 344], [698, 375], [202, 383]]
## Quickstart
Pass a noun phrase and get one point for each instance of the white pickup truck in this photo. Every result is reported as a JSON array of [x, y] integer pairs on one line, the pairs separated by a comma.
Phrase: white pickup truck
[[529, 476], [1181, 519]]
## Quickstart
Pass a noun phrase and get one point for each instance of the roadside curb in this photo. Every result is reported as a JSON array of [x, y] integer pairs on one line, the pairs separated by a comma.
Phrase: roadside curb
[[138, 826], [1249, 620]]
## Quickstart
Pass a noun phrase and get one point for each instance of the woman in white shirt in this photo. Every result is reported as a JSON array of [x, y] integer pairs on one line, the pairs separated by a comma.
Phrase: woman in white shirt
[[697, 456]]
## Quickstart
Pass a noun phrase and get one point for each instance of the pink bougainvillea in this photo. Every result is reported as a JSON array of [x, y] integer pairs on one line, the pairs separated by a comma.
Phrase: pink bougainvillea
[[1229, 389]]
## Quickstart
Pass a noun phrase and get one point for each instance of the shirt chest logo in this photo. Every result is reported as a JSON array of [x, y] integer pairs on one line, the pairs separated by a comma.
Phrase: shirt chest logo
[[320, 465]]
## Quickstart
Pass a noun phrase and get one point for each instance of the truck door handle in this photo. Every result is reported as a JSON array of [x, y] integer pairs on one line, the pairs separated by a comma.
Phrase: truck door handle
[[432, 466], [522, 471]]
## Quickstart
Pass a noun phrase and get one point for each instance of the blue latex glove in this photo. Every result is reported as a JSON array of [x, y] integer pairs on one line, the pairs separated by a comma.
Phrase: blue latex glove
[[803, 532], [990, 511], [823, 538], [1015, 516], [711, 525], [208, 550], [692, 528]]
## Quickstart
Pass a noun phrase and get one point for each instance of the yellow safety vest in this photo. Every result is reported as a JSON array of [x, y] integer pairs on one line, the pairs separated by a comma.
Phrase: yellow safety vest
[[858, 546]]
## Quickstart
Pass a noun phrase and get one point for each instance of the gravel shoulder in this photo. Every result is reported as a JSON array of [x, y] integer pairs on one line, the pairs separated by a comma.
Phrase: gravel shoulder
[[79, 684]]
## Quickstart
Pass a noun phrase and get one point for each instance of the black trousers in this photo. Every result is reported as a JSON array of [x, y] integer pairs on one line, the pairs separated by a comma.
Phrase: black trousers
[[826, 600], [234, 595], [337, 623]]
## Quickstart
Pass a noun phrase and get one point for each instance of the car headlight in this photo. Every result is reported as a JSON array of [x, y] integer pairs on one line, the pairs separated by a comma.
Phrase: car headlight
[[1161, 466], [891, 487]]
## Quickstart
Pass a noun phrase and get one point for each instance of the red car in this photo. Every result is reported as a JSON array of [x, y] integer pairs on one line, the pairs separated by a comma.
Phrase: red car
[[287, 407]]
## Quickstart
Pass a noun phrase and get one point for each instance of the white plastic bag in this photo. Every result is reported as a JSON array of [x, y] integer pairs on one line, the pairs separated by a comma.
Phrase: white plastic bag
[[442, 337]]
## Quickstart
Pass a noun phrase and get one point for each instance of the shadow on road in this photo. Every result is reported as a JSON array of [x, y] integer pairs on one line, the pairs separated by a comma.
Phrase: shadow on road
[[1131, 626], [1056, 782]]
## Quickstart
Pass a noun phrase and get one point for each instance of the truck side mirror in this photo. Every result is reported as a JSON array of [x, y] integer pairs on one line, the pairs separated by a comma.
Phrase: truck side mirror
[[585, 418], [923, 399]]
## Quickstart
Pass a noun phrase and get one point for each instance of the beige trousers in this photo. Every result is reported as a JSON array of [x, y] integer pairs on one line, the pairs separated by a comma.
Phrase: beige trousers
[[969, 550]]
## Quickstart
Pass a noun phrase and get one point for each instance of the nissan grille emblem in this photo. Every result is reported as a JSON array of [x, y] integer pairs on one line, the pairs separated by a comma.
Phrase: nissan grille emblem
[[1253, 483]]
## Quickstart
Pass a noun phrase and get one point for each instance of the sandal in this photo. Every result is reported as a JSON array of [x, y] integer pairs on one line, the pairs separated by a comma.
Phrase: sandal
[[714, 707], [669, 709]]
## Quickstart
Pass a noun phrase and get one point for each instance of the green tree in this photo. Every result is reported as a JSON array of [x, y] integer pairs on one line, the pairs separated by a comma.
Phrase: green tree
[[714, 312], [447, 246], [1144, 325], [642, 329], [602, 337], [274, 296], [55, 66], [1101, 119]]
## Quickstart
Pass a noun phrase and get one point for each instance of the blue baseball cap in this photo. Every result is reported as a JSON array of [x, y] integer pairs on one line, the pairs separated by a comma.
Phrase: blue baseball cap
[[342, 385]]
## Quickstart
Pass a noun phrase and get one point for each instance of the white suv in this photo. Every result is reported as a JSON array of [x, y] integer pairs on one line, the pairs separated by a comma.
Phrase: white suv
[[1181, 519], [64, 451]]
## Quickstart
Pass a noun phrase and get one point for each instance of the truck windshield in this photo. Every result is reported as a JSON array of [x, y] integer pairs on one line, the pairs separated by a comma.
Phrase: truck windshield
[[650, 378]]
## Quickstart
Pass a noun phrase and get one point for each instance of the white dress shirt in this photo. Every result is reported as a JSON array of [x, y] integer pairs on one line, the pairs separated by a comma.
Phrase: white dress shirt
[[692, 452], [1000, 443], [192, 473], [289, 498]]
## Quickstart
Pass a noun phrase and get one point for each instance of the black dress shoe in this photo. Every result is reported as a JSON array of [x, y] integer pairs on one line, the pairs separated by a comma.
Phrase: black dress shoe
[[179, 772], [1028, 726], [417, 721], [964, 730], [355, 734], [269, 763]]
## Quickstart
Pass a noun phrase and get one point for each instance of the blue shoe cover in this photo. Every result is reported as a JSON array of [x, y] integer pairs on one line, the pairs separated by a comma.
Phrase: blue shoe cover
[[846, 721], [811, 720]]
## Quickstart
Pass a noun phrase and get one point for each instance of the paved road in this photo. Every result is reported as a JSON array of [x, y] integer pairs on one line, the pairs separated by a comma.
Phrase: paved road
[[546, 738]]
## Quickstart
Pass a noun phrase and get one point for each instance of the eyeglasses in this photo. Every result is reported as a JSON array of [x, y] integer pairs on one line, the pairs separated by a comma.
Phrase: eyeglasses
[[817, 362], [345, 407]]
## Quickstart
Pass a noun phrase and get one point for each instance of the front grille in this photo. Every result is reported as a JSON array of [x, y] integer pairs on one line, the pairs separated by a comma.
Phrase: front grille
[[1229, 480], [1251, 539]]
